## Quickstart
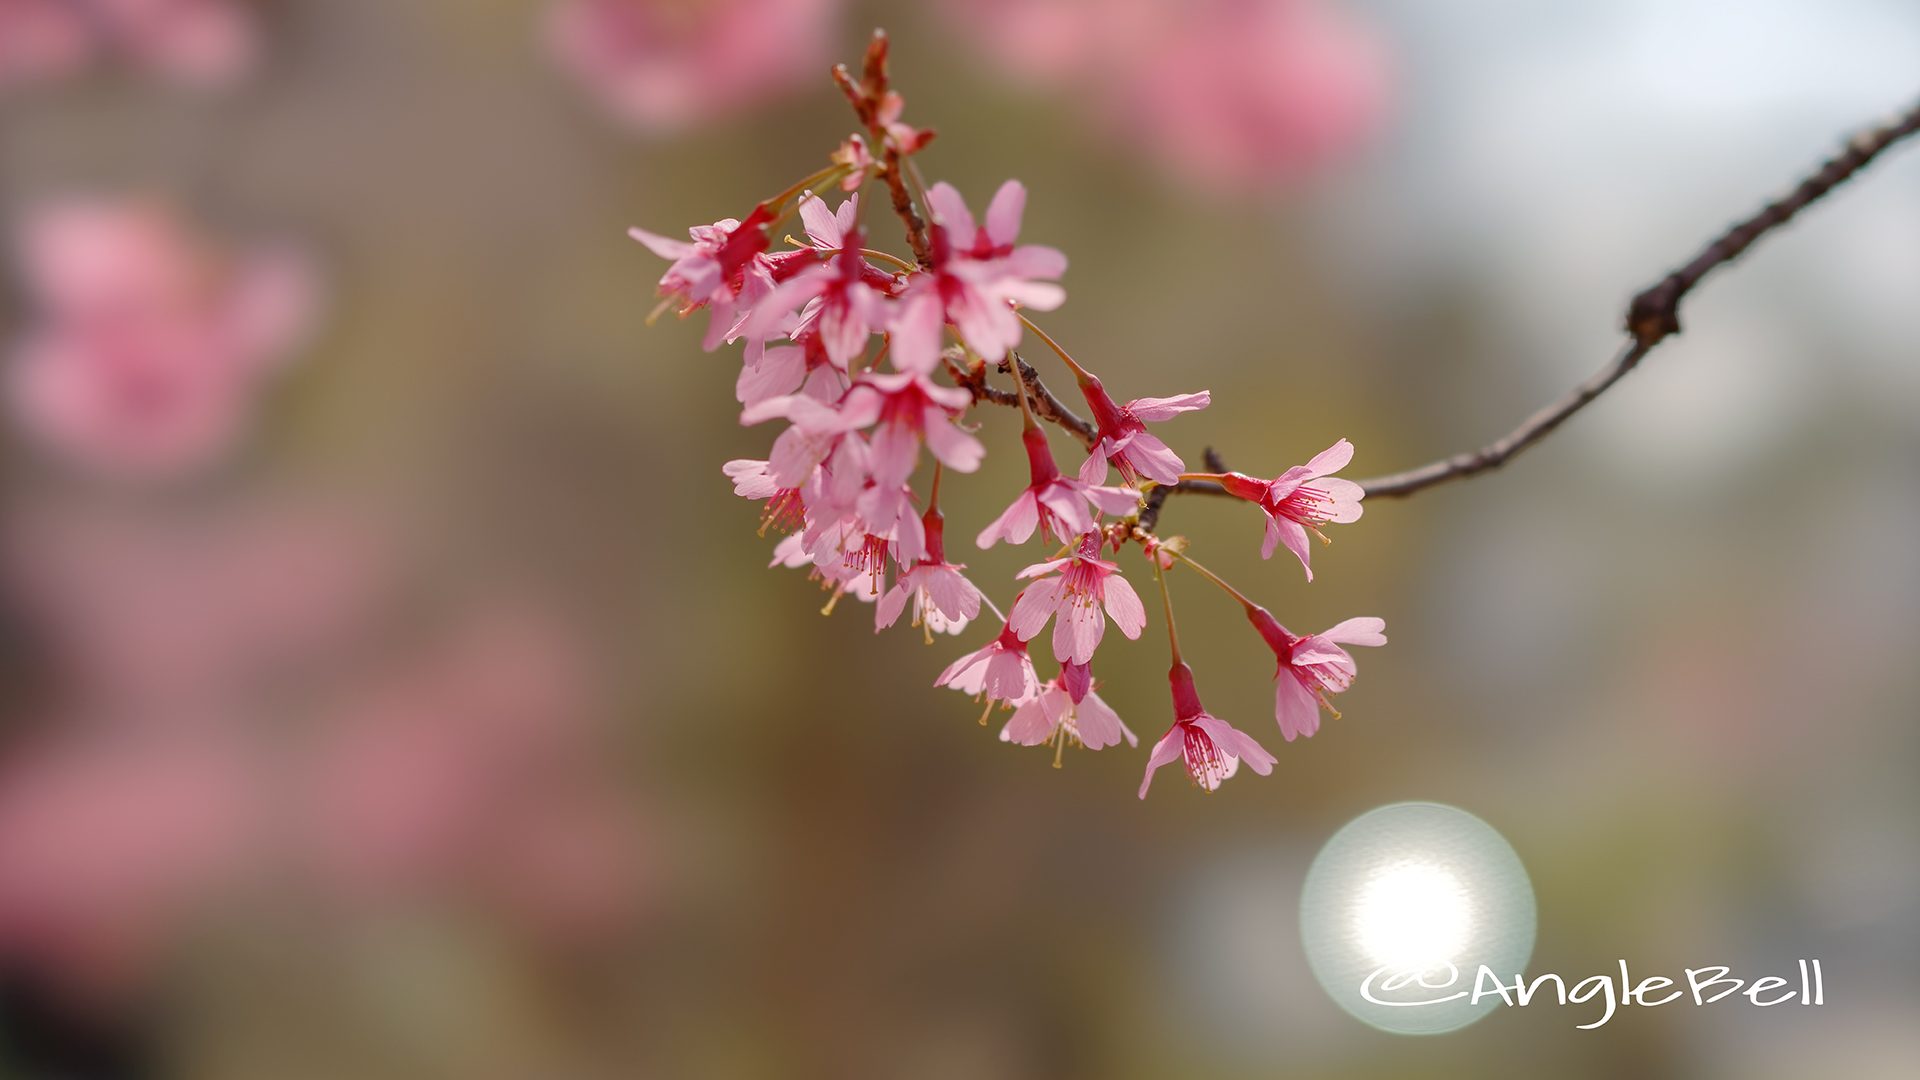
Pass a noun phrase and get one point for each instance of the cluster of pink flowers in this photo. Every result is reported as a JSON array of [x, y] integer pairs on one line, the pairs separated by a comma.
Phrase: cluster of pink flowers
[[869, 358], [192, 41]]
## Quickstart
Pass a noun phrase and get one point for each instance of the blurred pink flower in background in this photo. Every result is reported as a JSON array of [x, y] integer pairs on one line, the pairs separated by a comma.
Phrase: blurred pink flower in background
[[252, 698], [146, 345], [664, 65], [1238, 95], [203, 42]]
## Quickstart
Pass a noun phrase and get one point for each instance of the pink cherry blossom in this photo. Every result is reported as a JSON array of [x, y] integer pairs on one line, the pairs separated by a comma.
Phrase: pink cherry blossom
[[786, 507], [1054, 716], [978, 277], [906, 409], [1124, 438], [710, 270], [146, 344], [41, 39], [1211, 748], [1057, 504], [844, 298], [1000, 671], [1301, 500], [944, 601], [1311, 667], [1240, 95], [662, 66], [1074, 598], [196, 41]]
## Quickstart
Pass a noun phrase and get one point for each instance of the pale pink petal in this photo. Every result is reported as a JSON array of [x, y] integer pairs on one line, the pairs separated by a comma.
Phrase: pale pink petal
[[1004, 213], [1014, 524], [1332, 459], [1033, 607], [1363, 630], [822, 226], [887, 611], [1077, 632], [1113, 500], [1167, 750], [1124, 605], [1099, 726], [1165, 408], [663, 246], [1295, 707], [950, 210], [956, 449]]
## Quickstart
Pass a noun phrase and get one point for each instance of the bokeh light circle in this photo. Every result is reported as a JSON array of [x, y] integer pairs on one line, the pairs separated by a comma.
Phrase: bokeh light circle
[[1404, 905]]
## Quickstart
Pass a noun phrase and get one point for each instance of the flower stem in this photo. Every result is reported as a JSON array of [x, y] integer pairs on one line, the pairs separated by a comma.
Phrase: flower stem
[[1079, 373], [1213, 577], [1166, 599]]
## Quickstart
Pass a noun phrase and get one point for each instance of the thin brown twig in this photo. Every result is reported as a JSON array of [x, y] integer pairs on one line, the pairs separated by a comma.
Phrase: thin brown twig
[[1652, 317], [867, 95], [1654, 314]]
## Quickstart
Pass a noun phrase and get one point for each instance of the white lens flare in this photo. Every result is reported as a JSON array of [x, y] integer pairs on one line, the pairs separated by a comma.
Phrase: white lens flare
[[1412, 916], [1402, 907]]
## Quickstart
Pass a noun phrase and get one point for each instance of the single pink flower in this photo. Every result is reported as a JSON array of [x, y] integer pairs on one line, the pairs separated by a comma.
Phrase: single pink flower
[[1057, 504], [1211, 748], [195, 41], [663, 66], [1055, 716], [944, 601], [1124, 438], [1311, 667], [785, 508], [905, 410], [978, 277], [709, 271], [41, 39], [778, 370], [844, 297], [999, 671], [1085, 583], [146, 345], [1301, 500], [1245, 95]]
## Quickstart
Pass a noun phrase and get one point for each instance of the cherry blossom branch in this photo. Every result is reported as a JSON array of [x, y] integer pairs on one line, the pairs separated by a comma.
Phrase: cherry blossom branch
[[1652, 317], [1654, 314], [872, 99]]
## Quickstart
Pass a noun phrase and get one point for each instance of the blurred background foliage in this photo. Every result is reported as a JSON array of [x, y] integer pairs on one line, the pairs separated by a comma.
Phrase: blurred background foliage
[[442, 721]]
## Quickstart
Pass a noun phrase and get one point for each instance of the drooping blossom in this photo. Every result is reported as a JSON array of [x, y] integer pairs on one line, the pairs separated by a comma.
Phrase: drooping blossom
[[1082, 583], [710, 271], [944, 601], [1302, 499], [978, 277], [999, 671], [1055, 716], [1057, 504], [663, 66], [1312, 667], [203, 42], [146, 344], [1124, 437], [1210, 748]]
